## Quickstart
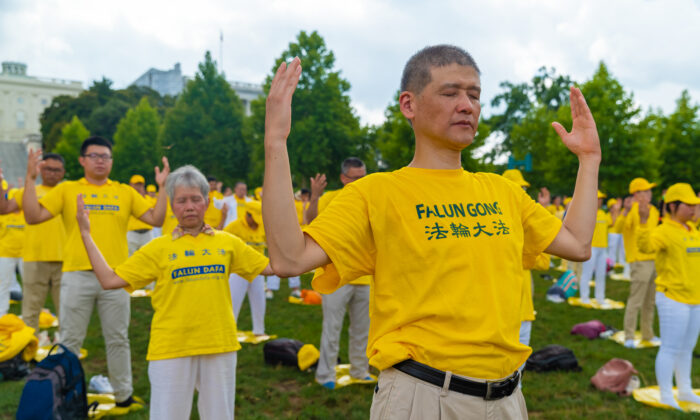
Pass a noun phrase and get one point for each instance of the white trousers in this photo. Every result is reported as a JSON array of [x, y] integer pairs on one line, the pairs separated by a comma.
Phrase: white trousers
[[679, 324], [598, 264], [173, 382], [256, 298], [8, 277], [273, 282], [356, 299]]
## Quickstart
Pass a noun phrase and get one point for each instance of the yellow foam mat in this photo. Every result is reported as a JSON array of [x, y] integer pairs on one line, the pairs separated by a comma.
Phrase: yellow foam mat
[[619, 337], [614, 304], [250, 338], [651, 396], [343, 378], [141, 293], [107, 406], [619, 277], [14, 302], [43, 351], [47, 320]]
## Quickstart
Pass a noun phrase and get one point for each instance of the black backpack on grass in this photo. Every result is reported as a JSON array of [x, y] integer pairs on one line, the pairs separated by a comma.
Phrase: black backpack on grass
[[282, 351], [552, 357], [13, 369]]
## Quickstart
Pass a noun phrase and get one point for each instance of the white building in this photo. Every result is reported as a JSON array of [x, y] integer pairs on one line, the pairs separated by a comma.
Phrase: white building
[[23, 98]]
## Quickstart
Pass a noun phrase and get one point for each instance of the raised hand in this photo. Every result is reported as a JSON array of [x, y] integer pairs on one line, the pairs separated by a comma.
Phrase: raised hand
[[161, 176], [278, 108], [34, 164], [318, 185], [83, 216], [544, 197], [583, 139]]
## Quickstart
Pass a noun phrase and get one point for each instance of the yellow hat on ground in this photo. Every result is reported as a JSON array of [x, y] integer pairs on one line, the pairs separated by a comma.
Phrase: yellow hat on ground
[[612, 202], [567, 200], [151, 188], [682, 192], [516, 176], [601, 195], [640, 184], [307, 356], [255, 210], [137, 179]]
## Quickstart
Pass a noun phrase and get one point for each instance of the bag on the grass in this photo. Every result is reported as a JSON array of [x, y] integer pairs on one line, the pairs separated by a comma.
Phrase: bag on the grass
[[614, 376], [591, 329], [552, 357], [14, 368], [55, 389], [282, 351], [568, 283]]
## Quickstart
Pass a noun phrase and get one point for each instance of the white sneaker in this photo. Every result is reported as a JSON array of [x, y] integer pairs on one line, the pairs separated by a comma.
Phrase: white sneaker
[[605, 305], [268, 294], [100, 384], [655, 341], [586, 301], [629, 344], [296, 293]]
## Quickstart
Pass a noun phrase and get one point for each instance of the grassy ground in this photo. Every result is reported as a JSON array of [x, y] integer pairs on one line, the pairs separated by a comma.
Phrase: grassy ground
[[280, 392]]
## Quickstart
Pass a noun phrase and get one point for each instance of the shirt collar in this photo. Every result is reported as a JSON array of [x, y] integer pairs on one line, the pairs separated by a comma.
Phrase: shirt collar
[[179, 232], [85, 182]]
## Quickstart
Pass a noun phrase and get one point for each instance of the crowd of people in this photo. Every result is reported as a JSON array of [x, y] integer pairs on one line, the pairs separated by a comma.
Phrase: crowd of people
[[429, 261]]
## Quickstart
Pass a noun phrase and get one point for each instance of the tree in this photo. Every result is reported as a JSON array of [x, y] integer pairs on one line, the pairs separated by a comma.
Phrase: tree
[[394, 138], [325, 129], [72, 136], [679, 144], [205, 127], [136, 149]]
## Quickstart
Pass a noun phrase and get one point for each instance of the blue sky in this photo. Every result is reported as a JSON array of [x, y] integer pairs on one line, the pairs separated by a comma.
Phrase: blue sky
[[650, 46]]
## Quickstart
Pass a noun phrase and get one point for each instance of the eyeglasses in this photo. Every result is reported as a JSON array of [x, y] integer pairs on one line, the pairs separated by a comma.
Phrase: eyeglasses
[[98, 156]]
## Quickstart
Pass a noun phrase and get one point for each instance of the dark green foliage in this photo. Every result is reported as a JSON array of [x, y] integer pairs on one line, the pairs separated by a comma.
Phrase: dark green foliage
[[679, 144], [72, 136], [136, 149]]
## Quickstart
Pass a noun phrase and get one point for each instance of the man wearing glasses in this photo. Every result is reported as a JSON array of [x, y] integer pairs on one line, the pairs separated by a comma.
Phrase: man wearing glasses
[[110, 205]]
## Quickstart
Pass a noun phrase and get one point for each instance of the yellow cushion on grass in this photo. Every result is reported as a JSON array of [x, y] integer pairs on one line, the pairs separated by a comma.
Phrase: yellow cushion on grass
[[619, 277], [141, 293], [619, 337], [343, 378], [250, 338], [107, 406], [651, 396], [43, 351], [614, 304]]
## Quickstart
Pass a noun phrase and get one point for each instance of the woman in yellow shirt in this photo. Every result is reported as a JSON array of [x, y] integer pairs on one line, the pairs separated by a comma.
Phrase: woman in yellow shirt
[[193, 339], [677, 247], [11, 244]]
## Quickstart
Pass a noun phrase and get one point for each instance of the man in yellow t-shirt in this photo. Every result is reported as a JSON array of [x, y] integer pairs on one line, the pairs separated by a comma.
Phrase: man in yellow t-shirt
[[43, 250], [110, 204], [235, 203], [598, 261], [215, 217], [249, 228], [11, 244], [352, 297], [193, 340], [641, 215], [139, 233], [446, 247]]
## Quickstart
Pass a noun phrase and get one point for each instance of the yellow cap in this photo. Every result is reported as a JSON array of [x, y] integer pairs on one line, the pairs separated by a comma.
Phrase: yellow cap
[[601, 195], [612, 202], [567, 200], [640, 184], [151, 188], [515, 176], [137, 179], [255, 210], [681, 192], [307, 356], [4, 185]]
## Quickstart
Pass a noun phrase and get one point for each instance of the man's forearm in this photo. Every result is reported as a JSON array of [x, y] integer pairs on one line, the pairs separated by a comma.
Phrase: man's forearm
[[312, 210], [30, 203], [580, 219]]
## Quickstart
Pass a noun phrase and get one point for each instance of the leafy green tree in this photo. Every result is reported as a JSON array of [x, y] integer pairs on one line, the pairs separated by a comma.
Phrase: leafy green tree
[[679, 144], [205, 127], [325, 129], [136, 148], [72, 136]]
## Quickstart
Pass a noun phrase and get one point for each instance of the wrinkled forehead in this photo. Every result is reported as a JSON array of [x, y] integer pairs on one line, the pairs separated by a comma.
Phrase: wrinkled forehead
[[184, 192]]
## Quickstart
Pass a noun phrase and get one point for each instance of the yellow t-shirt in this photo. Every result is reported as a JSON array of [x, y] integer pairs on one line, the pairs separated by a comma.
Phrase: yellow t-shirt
[[527, 307], [447, 249], [630, 228], [557, 211], [192, 312], [253, 238], [12, 235], [135, 223], [300, 211], [110, 205], [677, 259], [600, 234], [212, 216], [45, 241]]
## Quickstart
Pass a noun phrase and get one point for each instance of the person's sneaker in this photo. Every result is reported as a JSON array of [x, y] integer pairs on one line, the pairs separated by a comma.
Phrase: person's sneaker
[[296, 293], [130, 404], [586, 301], [366, 379], [328, 385], [655, 341], [629, 344], [605, 305], [268, 294], [100, 384]]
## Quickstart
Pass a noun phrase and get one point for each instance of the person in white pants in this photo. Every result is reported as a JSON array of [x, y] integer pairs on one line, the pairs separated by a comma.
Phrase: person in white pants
[[597, 263], [11, 246], [677, 247]]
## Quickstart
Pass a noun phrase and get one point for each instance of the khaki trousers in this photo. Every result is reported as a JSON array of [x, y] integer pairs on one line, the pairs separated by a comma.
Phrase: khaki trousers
[[80, 290], [641, 298], [40, 277], [135, 240], [399, 396]]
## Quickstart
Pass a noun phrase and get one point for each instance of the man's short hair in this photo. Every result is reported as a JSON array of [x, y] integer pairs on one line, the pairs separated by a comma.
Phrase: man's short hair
[[416, 73], [95, 141], [211, 179], [239, 183], [54, 156], [351, 162]]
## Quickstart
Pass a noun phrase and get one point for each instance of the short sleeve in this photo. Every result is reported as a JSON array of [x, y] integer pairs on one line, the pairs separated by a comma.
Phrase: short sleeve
[[141, 268], [344, 232], [540, 227], [17, 196], [54, 200], [232, 228], [247, 262], [139, 204]]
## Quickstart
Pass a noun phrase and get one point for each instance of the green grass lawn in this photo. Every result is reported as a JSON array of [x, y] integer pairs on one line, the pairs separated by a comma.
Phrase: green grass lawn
[[281, 392]]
